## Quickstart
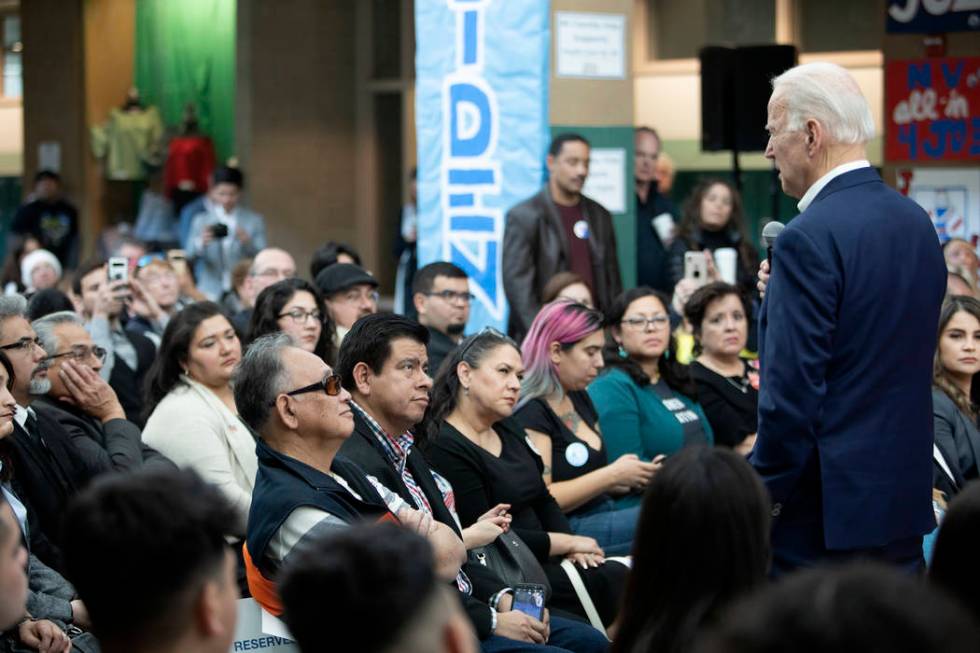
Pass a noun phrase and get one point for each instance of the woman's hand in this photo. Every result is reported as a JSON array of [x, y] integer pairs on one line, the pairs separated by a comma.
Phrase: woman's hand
[[481, 533], [586, 560], [44, 636], [629, 473]]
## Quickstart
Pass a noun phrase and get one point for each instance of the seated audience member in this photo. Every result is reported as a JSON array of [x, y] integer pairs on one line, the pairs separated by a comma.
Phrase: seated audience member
[[17, 248], [567, 285], [562, 354], [702, 541], [49, 468], [388, 403], [48, 301], [234, 301], [858, 608], [485, 454], [954, 415], [713, 219], [956, 284], [150, 559], [332, 252], [350, 293], [156, 297], [728, 387], [954, 566], [51, 602], [83, 403], [962, 255], [442, 298], [127, 246], [302, 414], [223, 233], [269, 266], [294, 307], [49, 219], [13, 555], [361, 571], [192, 416], [13, 559], [129, 355], [39, 270], [645, 398]]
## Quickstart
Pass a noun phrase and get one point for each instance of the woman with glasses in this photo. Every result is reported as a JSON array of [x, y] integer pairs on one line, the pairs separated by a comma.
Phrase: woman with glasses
[[562, 354], [193, 419], [294, 307], [728, 386], [476, 444], [646, 399]]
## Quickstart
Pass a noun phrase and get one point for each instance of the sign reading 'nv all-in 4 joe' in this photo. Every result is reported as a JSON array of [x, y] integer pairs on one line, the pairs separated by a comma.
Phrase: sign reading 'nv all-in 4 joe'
[[933, 109]]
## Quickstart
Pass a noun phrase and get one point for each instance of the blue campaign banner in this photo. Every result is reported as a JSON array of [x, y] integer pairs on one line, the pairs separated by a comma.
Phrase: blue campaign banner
[[481, 104], [933, 16]]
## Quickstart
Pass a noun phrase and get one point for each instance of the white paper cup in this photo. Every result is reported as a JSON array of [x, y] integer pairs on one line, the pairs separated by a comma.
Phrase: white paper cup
[[726, 262], [663, 224]]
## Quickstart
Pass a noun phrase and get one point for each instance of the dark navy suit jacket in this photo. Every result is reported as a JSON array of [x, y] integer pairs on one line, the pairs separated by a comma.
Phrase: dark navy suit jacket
[[846, 341]]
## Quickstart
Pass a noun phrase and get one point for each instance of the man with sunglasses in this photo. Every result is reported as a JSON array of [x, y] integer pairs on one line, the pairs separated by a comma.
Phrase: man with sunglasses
[[83, 403], [441, 293], [302, 415]]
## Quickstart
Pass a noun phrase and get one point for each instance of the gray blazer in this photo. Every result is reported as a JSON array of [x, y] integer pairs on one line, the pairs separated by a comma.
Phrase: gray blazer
[[535, 249], [116, 445], [957, 439]]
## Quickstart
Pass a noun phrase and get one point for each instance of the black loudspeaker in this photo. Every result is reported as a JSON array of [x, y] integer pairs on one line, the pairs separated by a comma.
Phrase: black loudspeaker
[[735, 87]]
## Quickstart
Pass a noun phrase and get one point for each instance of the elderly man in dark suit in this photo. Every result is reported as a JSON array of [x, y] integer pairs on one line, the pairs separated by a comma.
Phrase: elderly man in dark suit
[[84, 403], [557, 230], [846, 339]]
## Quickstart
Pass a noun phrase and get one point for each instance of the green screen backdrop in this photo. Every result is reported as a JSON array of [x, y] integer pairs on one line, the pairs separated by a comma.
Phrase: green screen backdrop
[[185, 52]]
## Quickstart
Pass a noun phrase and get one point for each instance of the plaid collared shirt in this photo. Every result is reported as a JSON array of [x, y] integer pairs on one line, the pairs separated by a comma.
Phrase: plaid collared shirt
[[396, 450]]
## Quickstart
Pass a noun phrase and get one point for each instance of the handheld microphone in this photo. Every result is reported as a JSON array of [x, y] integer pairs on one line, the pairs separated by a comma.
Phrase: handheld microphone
[[769, 234]]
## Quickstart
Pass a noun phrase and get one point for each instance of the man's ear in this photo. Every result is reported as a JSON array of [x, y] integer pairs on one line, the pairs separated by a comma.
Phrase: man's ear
[[419, 300], [208, 610], [284, 409], [362, 378]]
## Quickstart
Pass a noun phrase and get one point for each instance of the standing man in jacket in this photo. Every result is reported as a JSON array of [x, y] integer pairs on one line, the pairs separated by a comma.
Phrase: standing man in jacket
[[846, 339], [558, 230]]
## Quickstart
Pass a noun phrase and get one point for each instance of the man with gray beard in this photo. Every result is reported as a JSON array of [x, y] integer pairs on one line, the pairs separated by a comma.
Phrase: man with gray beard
[[47, 468]]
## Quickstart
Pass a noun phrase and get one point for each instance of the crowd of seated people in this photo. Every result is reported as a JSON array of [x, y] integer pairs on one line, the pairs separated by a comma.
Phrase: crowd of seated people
[[166, 448]]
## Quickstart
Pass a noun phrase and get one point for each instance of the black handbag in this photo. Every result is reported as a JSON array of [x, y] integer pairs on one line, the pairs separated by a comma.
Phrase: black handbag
[[510, 558]]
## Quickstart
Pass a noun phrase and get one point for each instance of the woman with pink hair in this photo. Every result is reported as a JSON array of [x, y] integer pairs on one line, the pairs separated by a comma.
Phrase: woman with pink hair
[[562, 354]]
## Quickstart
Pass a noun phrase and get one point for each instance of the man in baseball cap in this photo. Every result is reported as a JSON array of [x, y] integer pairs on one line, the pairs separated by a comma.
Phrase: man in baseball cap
[[350, 293]]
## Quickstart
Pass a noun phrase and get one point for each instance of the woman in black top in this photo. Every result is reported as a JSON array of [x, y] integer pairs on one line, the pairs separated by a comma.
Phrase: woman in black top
[[475, 443], [713, 219], [728, 386], [562, 354]]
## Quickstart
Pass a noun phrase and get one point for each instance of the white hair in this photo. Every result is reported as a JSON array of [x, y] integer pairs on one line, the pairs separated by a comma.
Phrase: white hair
[[827, 93]]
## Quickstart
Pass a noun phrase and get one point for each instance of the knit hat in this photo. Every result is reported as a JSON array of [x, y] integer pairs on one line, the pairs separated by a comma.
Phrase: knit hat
[[32, 260]]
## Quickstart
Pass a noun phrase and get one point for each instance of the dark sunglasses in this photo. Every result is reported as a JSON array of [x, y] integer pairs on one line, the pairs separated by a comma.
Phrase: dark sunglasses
[[330, 385]]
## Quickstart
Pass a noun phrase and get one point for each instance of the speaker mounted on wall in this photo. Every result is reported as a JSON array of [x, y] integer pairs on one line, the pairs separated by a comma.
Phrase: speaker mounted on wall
[[736, 83]]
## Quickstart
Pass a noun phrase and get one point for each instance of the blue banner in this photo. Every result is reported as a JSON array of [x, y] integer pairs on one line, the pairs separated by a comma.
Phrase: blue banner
[[932, 16], [481, 108]]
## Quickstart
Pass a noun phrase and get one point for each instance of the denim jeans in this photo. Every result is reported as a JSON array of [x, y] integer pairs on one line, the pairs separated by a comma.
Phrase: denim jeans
[[613, 528], [567, 636]]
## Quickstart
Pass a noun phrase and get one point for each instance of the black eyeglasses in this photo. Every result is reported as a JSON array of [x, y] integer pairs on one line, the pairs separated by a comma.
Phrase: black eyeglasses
[[330, 385], [80, 353], [299, 316], [452, 296], [25, 344]]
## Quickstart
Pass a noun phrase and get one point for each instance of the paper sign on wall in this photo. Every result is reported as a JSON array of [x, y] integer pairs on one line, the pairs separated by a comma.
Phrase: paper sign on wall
[[951, 196], [606, 183], [590, 45]]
